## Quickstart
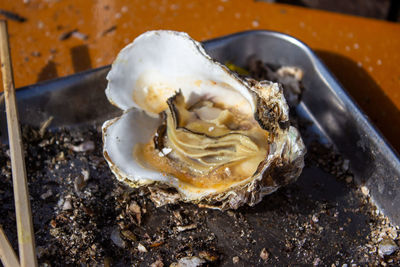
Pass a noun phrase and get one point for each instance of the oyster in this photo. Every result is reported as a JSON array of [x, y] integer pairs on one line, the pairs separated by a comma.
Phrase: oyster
[[191, 124]]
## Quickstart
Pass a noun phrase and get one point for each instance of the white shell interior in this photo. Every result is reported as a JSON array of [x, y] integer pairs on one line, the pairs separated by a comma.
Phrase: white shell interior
[[121, 136], [159, 63]]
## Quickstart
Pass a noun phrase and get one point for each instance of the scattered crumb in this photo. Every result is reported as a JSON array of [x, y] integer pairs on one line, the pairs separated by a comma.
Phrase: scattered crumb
[[264, 254], [45, 125], [188, 262], [316, 262], [142, 248], [365, 190], [349, 179], [157, 263]]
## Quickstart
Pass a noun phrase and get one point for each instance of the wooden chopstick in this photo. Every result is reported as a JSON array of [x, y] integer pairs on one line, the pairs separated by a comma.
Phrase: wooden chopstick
[[26, 239], [7, 254]]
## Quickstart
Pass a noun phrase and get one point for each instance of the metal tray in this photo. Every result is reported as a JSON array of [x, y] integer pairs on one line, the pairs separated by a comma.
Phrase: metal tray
[[336, 120]]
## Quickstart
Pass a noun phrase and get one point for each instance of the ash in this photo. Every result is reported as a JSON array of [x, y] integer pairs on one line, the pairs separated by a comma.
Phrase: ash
[[83, 216]]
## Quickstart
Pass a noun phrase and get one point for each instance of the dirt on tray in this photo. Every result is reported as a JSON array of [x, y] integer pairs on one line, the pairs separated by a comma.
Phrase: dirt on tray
[[83, 216]]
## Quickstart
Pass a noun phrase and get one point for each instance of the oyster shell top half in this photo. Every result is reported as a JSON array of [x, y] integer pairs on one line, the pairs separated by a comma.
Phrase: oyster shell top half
[[191, 124]]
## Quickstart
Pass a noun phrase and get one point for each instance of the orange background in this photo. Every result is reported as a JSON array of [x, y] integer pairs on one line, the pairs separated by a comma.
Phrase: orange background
[[364, 54]]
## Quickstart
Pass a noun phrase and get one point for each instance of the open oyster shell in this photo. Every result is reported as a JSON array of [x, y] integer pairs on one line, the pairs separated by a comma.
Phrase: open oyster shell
[[191, 124]]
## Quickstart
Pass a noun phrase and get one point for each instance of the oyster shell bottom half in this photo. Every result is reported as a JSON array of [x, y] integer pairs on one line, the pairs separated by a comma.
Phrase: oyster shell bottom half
[[191, 125]]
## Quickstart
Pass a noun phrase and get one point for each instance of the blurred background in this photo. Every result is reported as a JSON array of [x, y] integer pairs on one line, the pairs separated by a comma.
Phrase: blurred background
[[378, 9]]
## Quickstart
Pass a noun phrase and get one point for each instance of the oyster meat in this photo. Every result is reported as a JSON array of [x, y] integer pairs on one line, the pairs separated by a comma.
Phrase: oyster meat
[[191, 125]]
